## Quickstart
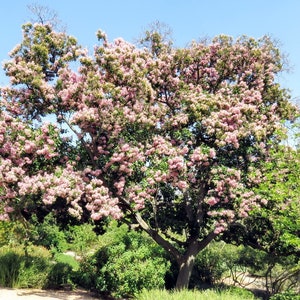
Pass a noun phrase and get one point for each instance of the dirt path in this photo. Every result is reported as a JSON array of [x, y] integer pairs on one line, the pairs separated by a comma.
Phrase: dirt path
[[33, 294]]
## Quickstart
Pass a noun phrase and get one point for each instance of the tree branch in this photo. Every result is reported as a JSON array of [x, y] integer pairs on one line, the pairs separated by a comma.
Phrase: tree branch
[[157, 237]]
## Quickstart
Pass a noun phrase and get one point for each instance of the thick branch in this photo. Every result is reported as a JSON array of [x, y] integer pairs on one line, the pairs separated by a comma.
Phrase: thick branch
[[157, 237], [203, 243]]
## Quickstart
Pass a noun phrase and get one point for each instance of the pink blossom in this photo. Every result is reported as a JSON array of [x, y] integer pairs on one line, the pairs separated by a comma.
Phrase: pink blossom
[[212, 153], [212, 201]]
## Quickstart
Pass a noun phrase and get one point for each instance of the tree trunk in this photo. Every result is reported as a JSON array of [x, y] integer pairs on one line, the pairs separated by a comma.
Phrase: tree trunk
[[187, 261], [185, 271]]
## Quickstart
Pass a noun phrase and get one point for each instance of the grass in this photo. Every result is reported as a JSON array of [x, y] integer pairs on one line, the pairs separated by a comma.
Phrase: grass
[[228, 294], [67, 259]]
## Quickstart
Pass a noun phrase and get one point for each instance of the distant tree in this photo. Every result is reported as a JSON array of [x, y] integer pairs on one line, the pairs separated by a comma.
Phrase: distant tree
[[44, 15], [170, 140]]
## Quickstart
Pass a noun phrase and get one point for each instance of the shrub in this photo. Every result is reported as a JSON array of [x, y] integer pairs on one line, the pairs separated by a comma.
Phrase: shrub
[[10, 233], [59, 276], [62, 273], [209, 265], [49, 234], [288, 295], [82, 238], [10, 263], [86, 276], [35, 267], [24, 270], [255, 260], [281, 273], [126, 263]]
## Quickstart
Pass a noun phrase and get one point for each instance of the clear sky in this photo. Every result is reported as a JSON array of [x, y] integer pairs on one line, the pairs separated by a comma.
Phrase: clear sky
[[188, 19]]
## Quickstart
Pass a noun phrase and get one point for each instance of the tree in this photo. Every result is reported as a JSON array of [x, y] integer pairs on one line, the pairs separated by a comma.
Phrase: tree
[[45, 15], [167, 139], [275, 228]]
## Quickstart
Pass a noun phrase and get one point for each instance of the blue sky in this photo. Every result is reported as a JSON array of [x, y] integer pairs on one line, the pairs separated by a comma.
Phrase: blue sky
[[189, 20]]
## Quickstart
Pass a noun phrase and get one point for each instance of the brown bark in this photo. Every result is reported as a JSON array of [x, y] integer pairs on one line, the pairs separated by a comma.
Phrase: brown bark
[[186, 265], [185, 261]]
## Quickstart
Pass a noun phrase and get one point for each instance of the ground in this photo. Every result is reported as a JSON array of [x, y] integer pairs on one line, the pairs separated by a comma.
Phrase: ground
[[34, 294]]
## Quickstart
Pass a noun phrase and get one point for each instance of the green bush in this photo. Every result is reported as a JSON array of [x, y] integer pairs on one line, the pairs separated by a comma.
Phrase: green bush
[[10, 263], [62, 273], [209, 265], [59, 276], [288, 295], [49, 234], [255, 260], [86, 276], [20, 269], [11, 233], [126, 263], [281, 273], [82, 238], [35, 267]]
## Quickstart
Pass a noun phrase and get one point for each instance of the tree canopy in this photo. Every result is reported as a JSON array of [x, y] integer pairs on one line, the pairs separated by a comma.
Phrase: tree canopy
[[172, 140]]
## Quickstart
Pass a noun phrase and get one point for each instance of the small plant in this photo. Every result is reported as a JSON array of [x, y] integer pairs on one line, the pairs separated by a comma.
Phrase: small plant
[[10, 263], [10, 233], [280, 273]]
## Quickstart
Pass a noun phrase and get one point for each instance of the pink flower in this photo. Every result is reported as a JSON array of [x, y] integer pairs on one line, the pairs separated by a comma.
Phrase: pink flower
[[212, 153], [182, 185], [212, 201]]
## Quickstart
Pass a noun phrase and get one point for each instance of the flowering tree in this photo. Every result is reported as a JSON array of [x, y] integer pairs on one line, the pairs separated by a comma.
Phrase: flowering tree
[[170, 140]]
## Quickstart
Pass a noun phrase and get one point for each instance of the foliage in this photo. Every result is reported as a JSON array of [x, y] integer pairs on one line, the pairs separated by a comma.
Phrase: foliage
[[275, 227], [273, 230], [10, 268], [280, 273], [82, 238], [126, 263], [12, 233], [210, 265], [286, 296], [282, 187], [48, 234], [230, 294], [67, 259], [21, 270], [34, 267], [171, 140], [59, 276]]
